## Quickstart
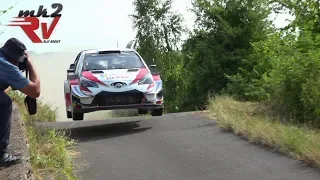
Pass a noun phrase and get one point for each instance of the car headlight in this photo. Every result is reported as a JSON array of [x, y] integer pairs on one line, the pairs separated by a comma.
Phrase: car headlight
[[146, 80], [84, 82]]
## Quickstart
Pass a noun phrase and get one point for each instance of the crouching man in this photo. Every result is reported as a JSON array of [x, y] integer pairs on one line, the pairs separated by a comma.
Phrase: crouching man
[[11, 54]]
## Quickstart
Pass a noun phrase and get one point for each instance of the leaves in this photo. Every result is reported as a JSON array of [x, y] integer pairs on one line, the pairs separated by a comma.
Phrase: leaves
[[235, 49]]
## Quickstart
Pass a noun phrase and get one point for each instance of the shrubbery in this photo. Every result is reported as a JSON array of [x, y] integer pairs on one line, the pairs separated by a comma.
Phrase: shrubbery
[[235, 49]]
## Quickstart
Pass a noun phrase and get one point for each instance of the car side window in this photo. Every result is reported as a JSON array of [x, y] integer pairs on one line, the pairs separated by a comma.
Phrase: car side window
[[77, 59], [79, 64]]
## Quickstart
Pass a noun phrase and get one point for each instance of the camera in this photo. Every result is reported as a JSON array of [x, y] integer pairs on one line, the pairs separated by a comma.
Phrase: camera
[[23, 65], [30, 103]]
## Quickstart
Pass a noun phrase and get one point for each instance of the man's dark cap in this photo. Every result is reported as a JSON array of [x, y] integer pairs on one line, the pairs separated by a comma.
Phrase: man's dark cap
[[14, 49]]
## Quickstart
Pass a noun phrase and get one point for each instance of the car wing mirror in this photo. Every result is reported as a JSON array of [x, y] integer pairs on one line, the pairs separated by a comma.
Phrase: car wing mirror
[[153, 69], [72, 66]]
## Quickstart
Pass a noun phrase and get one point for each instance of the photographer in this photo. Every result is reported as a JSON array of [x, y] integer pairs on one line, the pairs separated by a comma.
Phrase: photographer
[[12, 55]]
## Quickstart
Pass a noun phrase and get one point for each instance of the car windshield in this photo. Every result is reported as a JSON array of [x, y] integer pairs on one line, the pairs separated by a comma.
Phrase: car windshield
[[112, 61]]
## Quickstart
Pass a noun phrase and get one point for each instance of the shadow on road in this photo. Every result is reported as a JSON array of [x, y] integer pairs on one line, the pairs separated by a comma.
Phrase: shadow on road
[[91, 133]]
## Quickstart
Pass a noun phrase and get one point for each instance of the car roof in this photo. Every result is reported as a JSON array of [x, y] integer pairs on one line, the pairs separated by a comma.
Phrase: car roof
[[104, 49]]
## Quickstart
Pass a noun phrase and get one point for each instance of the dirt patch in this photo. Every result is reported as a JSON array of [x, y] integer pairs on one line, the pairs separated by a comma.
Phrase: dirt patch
[[18, 145]]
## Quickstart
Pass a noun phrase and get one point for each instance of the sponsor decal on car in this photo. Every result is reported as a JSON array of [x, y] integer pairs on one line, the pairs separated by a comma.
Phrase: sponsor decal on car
[[111, 76], [118, 77], [118, 74]]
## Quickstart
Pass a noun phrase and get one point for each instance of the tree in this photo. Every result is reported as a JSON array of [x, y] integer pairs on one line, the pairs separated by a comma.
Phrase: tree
[[158, 28], [158, 33], [306, 13], [221, 45]]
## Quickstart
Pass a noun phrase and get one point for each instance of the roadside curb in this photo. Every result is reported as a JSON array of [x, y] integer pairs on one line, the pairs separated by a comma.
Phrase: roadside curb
[[26, 165], [18, 145]]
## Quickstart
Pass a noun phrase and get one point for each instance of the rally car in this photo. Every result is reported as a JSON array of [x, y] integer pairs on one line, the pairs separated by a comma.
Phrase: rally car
[[112, 79]]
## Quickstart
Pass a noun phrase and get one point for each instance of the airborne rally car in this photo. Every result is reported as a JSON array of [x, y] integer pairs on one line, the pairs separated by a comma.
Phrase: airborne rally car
[[112, 79]]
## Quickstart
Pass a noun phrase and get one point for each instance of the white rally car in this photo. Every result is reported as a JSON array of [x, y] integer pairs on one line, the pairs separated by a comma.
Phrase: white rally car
[[112, 79]]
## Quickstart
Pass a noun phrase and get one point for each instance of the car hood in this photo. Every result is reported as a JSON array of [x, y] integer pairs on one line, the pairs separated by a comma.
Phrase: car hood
[[107, 77]]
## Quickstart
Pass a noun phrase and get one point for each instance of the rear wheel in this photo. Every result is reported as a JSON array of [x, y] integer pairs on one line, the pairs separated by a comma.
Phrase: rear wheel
[[157, 112], [77, 116], [142, 111]]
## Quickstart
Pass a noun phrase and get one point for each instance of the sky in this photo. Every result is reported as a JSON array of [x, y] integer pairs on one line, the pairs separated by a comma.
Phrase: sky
[[88, 24]]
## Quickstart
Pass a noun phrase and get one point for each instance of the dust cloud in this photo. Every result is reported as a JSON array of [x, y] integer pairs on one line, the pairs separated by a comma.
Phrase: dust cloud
[[52, 68]]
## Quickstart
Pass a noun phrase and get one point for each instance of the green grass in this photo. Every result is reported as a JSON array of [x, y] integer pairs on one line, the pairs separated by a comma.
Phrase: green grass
[[253, 121], [50, 151]]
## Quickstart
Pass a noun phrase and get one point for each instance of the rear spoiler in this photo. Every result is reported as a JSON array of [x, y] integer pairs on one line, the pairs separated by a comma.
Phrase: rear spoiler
[[109, 52], [115, 51]]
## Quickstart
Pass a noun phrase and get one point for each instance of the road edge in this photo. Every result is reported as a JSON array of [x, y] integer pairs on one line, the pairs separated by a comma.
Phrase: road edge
[[27, 167], [20, 140]]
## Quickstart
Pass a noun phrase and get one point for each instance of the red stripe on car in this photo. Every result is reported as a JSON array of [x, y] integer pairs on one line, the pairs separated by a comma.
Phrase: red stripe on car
[[74, 82], [156, 77], [140, 75], [91, 77], [85, 89]]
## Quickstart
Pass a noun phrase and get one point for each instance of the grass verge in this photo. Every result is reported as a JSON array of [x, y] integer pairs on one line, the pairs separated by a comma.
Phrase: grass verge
[[50, 151], [250, 120]]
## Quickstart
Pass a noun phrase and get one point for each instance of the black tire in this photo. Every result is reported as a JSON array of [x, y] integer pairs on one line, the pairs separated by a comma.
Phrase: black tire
[[157, 112], [77, 116], [69, 114], [142, 111]]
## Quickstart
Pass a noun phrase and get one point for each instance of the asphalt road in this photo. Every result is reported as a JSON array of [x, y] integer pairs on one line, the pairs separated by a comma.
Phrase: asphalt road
[[183, 146]]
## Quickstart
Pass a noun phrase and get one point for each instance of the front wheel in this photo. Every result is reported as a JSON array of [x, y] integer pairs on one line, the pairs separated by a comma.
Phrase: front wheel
[[75, 116], [69, 114], [157, 112]]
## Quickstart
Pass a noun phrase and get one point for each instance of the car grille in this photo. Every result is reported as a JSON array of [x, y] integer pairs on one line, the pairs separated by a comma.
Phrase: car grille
[[109, 99], [119, 100]]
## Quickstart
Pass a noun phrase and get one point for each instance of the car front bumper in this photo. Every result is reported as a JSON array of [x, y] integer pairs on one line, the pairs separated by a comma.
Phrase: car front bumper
[[96, 103], [88, 109]]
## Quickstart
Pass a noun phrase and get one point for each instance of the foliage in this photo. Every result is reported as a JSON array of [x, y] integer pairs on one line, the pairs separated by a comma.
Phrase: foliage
[[235, 49], [158, 33]]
